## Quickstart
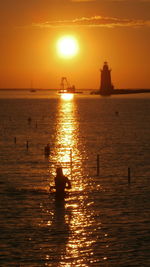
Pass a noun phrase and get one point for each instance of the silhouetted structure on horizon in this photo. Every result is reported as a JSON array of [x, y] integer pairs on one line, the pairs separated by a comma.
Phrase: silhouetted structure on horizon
[[106, 87]]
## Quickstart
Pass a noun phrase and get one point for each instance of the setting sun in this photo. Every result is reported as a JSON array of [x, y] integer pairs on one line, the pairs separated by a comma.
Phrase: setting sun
[[67, 46]]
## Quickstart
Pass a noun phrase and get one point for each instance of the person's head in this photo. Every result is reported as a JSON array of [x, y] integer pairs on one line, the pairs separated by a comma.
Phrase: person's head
[[59, 171]]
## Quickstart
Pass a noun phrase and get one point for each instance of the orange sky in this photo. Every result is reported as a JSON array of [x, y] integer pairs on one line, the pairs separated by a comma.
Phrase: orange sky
[[117, 31]]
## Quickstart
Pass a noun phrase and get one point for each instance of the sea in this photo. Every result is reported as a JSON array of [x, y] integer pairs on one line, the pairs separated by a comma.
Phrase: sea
[[103, 146]]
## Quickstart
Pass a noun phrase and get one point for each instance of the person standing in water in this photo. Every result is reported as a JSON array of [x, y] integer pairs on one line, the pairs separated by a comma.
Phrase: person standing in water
[[61, 183]]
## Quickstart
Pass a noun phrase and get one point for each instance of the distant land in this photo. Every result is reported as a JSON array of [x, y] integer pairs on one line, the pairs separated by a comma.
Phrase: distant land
[[91, 91], [129, 90], [122, 91]]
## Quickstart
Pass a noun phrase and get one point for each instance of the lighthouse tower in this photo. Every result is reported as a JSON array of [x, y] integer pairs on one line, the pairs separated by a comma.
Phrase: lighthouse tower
[[106, 87]]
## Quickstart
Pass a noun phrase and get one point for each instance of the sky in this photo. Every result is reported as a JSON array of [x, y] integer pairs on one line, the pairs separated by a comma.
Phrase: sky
[[116, 31]]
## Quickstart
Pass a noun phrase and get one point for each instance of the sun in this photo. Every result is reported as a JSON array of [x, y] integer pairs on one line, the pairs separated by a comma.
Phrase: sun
[[67, 46]]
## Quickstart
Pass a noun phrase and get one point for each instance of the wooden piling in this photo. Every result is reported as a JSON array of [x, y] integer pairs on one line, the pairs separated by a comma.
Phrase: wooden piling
[[98, 165], [27, 145], [29, 120], [71, 162], [47, 150], [129, 175], [15, 140]]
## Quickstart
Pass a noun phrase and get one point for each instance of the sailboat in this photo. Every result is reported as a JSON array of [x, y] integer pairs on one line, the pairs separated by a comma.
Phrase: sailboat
[[32, 90]]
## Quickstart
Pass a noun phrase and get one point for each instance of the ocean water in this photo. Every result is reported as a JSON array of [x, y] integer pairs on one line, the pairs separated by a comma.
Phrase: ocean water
[[104, 220]]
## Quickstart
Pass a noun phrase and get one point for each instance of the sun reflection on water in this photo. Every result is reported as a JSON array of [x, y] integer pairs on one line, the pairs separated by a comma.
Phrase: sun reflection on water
[[67, 96], [72, 222], [66, 151]]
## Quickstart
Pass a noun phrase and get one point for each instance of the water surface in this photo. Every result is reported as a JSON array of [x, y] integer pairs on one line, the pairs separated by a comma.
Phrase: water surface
[[104, 221]]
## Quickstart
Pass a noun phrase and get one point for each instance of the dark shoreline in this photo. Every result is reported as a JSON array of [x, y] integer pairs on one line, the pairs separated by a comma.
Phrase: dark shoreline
[[130, 91], [121, 92]]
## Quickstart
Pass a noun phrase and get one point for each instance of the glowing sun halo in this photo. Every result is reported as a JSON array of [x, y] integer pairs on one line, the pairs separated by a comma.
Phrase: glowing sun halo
[[67, 46]]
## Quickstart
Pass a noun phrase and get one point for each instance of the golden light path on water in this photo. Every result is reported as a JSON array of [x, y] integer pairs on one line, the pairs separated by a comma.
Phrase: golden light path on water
[[73, 218], [67, 96], [66, 153]]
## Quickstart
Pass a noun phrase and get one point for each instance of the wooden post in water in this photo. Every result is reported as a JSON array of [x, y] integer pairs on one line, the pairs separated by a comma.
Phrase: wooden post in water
[[27, 145], [71, 162], [129, 176], [98, 165], [15, 140]]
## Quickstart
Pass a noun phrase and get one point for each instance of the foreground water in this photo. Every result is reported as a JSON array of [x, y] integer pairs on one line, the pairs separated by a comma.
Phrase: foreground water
[[104, 221]]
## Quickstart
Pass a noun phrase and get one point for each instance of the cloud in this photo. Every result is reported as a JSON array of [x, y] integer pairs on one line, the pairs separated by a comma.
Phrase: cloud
[[83, 0], [95, 21], [127, 1]]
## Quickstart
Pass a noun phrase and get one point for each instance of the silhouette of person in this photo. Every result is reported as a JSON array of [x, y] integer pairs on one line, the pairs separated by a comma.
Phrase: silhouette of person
[[61, 183]]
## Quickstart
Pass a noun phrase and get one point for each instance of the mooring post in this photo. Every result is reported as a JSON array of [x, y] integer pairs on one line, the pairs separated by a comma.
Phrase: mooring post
[[98, 165], [71, 161], [129, 175], [27, 145], [15, 140], [29, 120]]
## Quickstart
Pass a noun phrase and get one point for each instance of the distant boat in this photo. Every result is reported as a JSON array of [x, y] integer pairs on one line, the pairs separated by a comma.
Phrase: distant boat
[[32, 90], [65, 88]]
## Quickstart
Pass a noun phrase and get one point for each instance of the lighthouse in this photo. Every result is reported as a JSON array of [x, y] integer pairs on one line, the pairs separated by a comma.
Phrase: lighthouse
[[106, 87]]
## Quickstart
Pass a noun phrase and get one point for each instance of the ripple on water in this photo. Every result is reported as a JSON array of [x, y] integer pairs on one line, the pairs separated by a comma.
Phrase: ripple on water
[[103, 220]]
